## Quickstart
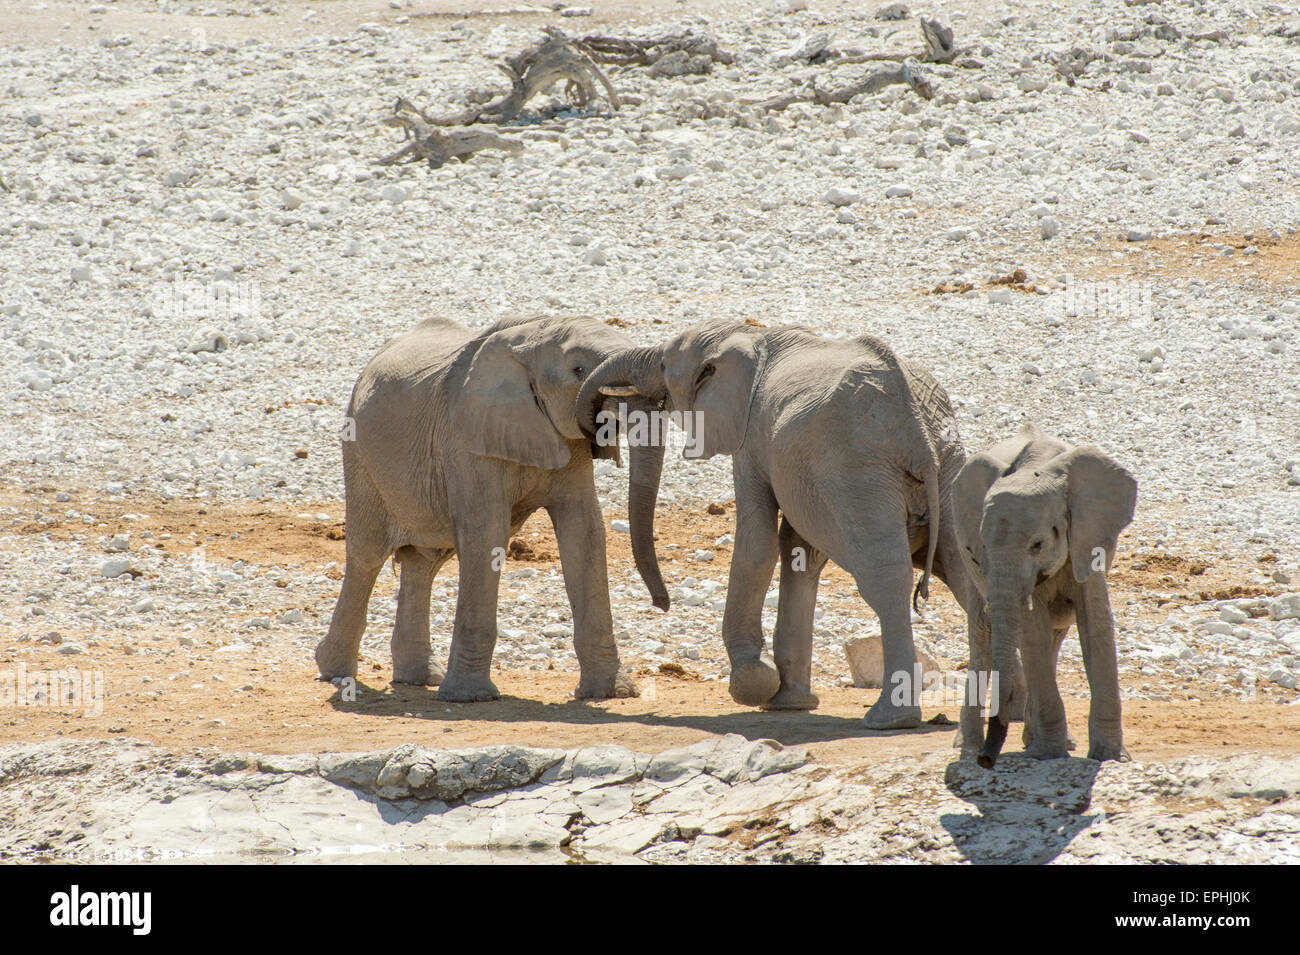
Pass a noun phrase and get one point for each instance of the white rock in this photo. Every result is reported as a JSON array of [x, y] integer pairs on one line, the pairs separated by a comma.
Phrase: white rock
[[1285, 607], [838, 196], [866, 656], [115, 567]]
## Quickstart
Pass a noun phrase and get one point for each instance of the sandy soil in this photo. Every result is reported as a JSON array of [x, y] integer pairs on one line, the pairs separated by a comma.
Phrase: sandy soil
[[234, 699]]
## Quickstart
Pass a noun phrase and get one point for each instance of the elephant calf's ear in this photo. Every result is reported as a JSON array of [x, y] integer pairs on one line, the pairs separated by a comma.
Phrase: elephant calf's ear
[[1102, 497], [498, 415], [969, 490]]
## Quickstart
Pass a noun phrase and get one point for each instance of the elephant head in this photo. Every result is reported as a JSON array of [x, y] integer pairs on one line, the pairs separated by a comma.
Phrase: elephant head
[[707, 375], [516, 401], [1020, 524]]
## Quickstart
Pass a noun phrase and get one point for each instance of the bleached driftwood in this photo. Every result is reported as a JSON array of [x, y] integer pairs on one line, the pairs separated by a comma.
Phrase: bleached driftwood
[[904, 73], [554, 59], [437, 145], [939, 47], [534, 71], [648, 51]]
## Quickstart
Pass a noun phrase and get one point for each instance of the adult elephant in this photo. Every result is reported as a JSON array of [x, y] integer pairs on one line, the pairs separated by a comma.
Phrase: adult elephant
[[456, 437], [1039, 521], [855, 451]]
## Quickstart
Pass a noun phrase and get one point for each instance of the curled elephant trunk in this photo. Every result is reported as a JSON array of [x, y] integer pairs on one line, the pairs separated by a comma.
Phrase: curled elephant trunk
[[633, 371], [633, 375]]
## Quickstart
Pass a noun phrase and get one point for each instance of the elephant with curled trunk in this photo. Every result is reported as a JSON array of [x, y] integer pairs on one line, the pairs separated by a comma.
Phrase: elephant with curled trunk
[[453, 438], [1038, 522], [841, 451]]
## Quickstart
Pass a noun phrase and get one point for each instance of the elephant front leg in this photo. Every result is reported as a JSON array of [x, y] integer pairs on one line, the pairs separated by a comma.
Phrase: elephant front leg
[[1097, 640], [754, 680], [1044, 709], [481, 552], [978, 668], [580, 533], [801, 567], [413, 659]]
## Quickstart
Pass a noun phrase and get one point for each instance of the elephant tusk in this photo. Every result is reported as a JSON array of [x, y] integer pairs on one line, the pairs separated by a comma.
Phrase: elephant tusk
[[618, 391], [1029, 602]]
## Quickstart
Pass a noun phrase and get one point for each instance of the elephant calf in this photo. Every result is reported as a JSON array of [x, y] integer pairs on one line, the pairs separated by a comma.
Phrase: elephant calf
[[1038, 522], [458, 436]]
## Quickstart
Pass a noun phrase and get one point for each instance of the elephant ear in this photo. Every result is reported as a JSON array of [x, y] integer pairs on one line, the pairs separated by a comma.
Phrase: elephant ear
[[1101, 498], [969, 490], [722, 403], [498, 414]]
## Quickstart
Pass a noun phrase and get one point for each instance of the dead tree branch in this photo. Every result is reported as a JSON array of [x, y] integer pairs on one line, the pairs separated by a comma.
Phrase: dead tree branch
[[939, 47], [648, 51], [905, 73], [437, 145]]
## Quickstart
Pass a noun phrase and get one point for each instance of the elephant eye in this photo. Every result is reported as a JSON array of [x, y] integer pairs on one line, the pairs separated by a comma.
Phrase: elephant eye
[[1035, 547], [579, 370], [705, 374], [1056, 533]]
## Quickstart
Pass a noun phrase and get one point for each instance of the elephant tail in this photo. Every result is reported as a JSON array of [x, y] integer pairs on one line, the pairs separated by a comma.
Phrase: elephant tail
[[922, 591]]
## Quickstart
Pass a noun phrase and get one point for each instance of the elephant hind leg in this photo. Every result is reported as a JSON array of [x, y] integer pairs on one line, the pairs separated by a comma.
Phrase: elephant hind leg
[[413, 659], [882, 567], [336, 655], [801, 566], [368, 548]]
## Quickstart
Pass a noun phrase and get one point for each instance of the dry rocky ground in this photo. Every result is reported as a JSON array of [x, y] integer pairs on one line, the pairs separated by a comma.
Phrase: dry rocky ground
[[198, 252]]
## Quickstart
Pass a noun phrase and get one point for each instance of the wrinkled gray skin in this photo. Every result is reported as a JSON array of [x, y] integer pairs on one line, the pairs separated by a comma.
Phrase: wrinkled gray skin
[[460, 435], [841, 451], [1038, 522]]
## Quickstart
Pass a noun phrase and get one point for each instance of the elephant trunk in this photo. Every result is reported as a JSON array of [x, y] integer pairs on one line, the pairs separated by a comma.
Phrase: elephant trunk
[[635, 374], [647, 461], [1004, 614], [633, 371]]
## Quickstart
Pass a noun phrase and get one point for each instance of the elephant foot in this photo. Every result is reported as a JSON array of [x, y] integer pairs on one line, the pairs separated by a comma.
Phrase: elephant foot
[[887, 715], [754, 683], [1027, 738], [456, 688], [426, 672], [620, 686], [1104, 751], [793, 698], [1048, 748], [334, 663]]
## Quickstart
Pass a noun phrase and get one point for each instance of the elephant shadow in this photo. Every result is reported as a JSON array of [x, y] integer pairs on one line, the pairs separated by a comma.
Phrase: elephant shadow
[[789, 728], [1024, 811]]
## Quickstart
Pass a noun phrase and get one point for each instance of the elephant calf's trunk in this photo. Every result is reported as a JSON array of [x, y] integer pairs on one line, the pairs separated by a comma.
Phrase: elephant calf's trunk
[[996, 736]]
